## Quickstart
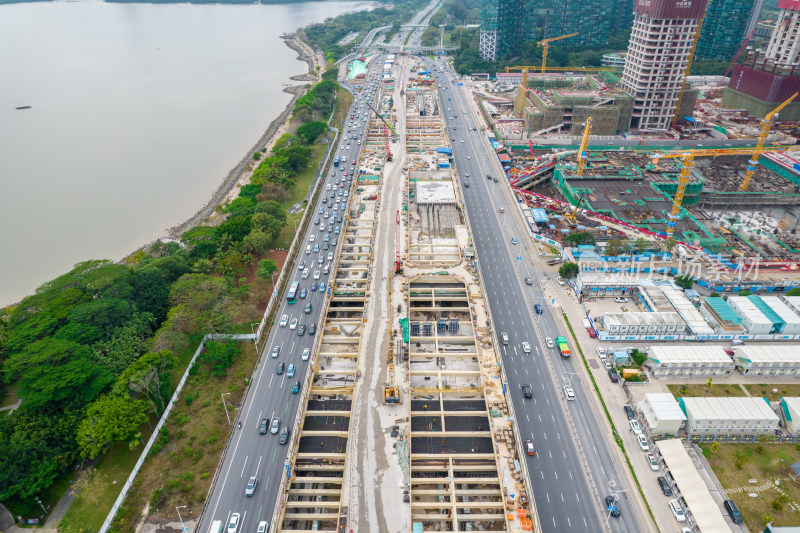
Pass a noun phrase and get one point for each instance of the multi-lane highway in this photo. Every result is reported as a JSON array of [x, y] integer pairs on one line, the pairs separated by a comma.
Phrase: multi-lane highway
[[565, 500], [251, 453]]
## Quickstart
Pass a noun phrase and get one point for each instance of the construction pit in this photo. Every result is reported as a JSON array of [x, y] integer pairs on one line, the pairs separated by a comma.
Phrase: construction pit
[[638, 188]]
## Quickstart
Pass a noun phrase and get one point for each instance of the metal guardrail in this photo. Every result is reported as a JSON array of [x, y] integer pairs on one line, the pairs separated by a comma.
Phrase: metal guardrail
[[142, 456]]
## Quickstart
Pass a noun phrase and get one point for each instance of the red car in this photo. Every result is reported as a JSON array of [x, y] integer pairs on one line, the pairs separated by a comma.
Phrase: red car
[[592, 332], [529, 447]]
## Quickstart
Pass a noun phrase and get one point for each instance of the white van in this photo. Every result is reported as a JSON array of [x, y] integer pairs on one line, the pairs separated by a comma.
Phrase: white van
[[569, 393], [504, 337], [308, 249], [327, 268], [216, 527]]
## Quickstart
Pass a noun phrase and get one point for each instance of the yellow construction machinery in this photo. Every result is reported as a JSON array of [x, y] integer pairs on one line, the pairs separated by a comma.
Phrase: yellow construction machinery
[[570, 215], [766, 126], [391, 392], [545, 44], [584, 143], [687, 69], [687, 163]]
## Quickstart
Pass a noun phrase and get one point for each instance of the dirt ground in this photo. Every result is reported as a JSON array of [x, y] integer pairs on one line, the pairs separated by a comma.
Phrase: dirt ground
[[777, 496]]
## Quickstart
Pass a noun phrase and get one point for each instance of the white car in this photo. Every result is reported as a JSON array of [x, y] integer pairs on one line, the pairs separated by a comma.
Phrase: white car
[[233, 525], [549, 342], [312, 238], [635, 427], [569, 393], [560, 281], [653, 462], [601, 352], [251, 486], [316, 272], [620, 300], [677, 511], [293, 323], [526, 347], [306, 354], [284, 320], [305, 273], [643, 442], [262, 527]]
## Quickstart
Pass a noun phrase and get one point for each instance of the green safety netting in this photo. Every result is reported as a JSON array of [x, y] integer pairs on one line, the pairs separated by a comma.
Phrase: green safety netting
[[404, 324]]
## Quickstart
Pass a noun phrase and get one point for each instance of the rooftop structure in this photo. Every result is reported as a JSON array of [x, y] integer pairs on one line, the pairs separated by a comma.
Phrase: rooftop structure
[[705, 511], [768, 359], [661, 39], [435, 192], [697, 324], [691, 361], [790, 409], [789, 317], [644, 324], [724, 28], [614, 59], [720, 313], [754, 317], [732, 417], [662, 413]]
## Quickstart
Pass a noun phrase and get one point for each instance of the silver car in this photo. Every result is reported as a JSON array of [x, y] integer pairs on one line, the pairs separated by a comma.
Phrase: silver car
[[251, 486]]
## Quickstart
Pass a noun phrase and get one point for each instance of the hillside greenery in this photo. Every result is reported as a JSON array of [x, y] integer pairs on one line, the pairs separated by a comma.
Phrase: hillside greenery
[[90, 353]]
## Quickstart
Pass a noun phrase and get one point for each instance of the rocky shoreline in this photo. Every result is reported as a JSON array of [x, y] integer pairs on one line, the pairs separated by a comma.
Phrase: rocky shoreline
[[242, 168]]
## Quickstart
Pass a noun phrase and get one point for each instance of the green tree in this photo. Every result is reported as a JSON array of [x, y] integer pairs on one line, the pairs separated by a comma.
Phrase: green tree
[[52, 371], [257, 242], [613, 247], [232, 264], [126, 344], [568, 270], [642, 245], [266, 268], [310, 131], [581, 237], [111, 419], [745, 292], [638, 357], [202, 266], [150, 291], [684, 281], [268, 224], [236, 227], [148, 378], [793, 292], [219, 355]]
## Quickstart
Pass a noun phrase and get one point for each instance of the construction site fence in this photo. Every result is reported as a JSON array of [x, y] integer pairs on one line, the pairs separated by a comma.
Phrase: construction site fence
[[633, 144], [157, 431], [603, 336]]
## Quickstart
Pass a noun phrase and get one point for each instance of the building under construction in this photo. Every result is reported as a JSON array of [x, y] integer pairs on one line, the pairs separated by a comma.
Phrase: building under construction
[[724, 29], [765, 78]]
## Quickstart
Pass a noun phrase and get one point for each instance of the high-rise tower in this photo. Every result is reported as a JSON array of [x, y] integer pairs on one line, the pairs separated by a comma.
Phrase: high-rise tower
[[765, 78], [661, 39], [724, 28]]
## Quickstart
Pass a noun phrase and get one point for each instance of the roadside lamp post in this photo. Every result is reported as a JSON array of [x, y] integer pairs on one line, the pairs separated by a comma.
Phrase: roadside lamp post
[[224, 407], [184, 529]]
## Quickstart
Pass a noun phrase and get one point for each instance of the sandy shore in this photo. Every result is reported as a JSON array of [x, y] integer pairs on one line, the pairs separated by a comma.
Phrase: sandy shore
[[240, 174]]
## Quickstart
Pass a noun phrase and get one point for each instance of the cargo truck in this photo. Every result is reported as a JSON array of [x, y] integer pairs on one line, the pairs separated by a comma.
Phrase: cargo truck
[[563, 347]]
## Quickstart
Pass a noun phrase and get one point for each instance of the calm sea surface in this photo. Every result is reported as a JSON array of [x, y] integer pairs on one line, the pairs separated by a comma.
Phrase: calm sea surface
[[137, 113]]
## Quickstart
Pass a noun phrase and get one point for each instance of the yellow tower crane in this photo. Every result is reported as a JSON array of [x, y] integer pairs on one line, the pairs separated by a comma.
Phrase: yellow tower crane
[[545, 44], [687, 69], [584, 143], [687, 163], [766, 126]]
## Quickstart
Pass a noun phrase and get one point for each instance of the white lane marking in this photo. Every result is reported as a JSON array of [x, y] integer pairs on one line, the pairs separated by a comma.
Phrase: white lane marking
[[258, 466], [244, 465]]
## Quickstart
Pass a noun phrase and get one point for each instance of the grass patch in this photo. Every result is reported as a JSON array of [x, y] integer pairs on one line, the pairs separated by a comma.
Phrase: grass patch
[[182, 463], [702, 390], [735, 464], [343, 102], [100, 487], [784, 390], [287, 232]]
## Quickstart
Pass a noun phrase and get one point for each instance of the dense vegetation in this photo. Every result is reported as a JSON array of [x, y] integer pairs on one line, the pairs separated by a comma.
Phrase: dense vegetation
[[90, 354], [327, 35]]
